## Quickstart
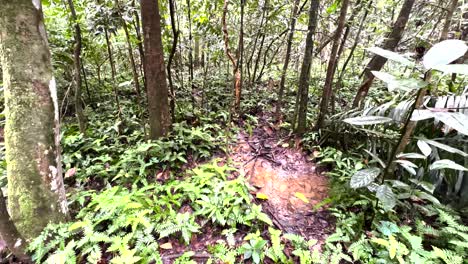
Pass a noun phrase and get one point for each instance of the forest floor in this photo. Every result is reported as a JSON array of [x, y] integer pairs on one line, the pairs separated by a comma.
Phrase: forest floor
[[286, 181]]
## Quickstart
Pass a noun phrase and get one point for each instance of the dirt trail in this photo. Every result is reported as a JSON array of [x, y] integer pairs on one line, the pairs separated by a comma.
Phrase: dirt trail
[[292, 183]]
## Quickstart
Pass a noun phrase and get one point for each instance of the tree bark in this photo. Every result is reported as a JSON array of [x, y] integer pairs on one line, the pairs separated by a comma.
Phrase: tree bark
[[334, 57], [448, 20], [237, 73], [158, 103], [377, 62], [10, 234], [240, 60], [36, 194], [175, 33], [136, 25], [136, 77], [189, 16], [287, 57], [303, 90], [77, 62], [113, 72]]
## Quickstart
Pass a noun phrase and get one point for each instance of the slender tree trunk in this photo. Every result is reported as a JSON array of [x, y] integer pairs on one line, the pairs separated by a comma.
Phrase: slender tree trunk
[[196, 52], [240, 60], [158, 103], [377, 62], [356, 41], [448, 19], [189, 15], [254, 48], [36, 194], [136, 77], [237, 73], [77, 61], [304, 79], [286, 59], [265, 55], [136, 25], [334, 57], [175, 33], [85, 79], [444, 35], [262, 42], [113, 72], [9, 233]]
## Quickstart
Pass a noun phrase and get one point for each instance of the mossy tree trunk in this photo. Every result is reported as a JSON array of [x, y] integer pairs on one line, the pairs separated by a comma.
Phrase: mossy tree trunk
[[303, 91], [36, 194]]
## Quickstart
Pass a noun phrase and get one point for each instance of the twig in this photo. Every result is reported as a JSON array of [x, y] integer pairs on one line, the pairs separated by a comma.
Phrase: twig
[[196, 255]]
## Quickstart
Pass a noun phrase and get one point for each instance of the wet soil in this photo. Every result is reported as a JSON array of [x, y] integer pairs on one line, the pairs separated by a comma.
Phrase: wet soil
[[284, 174]]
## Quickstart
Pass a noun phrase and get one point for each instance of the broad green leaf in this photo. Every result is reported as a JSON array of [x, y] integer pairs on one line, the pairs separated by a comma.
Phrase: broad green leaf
[[388, 228], [375, 157], [426, 196], [422, 114], [408, 166], [429, 187], [457, 121], [368, 120], [363, 178], [393, 56], [447, 164], [411, 156], [386, 197], [453, 68], [392, 249], [393, 83], [443, 147], [444, 53]]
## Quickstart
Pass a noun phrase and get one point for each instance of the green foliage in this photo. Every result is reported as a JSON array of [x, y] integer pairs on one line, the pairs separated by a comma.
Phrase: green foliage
[[130, 222], [371, 235]]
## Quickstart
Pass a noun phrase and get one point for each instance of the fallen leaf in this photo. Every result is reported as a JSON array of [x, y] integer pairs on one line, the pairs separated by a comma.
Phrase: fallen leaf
[[262, 196], [167, 245], [70, 173], [301, 197]]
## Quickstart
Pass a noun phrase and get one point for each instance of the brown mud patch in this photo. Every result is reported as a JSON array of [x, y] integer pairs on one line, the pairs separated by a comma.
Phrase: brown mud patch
[[293, 185]]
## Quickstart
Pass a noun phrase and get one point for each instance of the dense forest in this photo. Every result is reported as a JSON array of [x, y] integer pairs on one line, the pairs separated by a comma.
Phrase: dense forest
[[234, 131]]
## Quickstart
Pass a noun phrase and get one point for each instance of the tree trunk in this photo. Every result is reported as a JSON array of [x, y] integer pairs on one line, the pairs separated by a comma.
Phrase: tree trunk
[[77, 61], [377, 62], [249, 61], [303, 90], [136, 25], [192, 86], [36, 195], [334, 57], [175, 33], [158, 103], [448, 20], [286, 59], [9, 233], [237, 73], [136, 78], [113, 72], [240, 60]]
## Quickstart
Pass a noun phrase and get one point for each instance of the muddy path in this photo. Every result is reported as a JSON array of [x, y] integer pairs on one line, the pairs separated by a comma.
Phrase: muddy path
[[290, 184]]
